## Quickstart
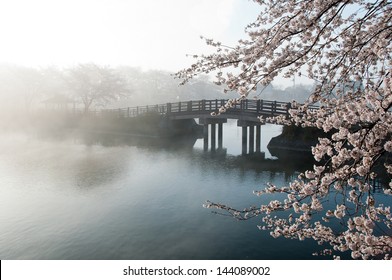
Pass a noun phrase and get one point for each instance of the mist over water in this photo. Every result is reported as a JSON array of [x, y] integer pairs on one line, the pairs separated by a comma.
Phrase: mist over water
[[96, 164], [77, 186], [68, 191], [63, 198]]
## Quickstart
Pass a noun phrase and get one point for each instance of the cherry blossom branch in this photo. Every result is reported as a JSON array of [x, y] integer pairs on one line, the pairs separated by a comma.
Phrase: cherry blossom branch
[[347, 47]]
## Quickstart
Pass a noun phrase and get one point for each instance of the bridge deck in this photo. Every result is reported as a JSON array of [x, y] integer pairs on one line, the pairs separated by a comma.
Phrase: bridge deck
[[248, 110]]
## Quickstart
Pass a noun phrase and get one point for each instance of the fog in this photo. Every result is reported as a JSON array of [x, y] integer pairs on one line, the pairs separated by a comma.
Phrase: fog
[[57, 56], [24, 88], [89, 87], [27, 91]]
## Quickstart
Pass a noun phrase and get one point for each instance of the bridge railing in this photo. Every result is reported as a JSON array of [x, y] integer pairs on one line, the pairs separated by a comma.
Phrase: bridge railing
[[247, 106]]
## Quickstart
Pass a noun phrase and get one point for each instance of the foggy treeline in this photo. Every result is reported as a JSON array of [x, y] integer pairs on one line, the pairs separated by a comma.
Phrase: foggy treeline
[[91, 87]]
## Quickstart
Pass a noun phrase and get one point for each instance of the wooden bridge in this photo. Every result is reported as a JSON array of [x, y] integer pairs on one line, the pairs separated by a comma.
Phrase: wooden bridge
[[247, 112]]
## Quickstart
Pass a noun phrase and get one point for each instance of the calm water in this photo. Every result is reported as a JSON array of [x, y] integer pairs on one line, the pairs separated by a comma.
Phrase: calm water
[[77, 199]]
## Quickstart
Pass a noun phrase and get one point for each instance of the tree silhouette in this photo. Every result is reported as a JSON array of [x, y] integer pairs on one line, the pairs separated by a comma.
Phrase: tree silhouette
[[95, 85]]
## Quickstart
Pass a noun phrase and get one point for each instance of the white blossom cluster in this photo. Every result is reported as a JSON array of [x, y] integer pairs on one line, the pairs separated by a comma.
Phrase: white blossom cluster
[[346, 47]]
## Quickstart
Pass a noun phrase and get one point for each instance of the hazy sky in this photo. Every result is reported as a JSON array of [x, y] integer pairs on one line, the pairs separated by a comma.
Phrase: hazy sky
[[146, 33]]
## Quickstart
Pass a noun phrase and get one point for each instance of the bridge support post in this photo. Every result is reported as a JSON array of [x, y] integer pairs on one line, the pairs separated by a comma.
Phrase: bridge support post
[[258, 138], [254, 140], [220, 136], [205, 137], [251, 139], [213, 122], [213, 137], [244, 140]]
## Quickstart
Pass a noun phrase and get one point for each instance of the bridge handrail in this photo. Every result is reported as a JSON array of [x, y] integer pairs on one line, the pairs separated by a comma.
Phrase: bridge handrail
[[261, 107]]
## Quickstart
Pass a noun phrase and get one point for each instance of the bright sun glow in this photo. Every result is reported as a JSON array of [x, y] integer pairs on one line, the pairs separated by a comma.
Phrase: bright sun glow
[[147, 34]]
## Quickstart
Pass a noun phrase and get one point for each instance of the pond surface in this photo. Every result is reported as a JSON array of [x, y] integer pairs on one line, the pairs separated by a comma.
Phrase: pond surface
[[68, 198]]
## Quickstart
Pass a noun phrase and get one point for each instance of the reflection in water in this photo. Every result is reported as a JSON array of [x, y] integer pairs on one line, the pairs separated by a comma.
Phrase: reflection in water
[[99, 197], [108, 140]]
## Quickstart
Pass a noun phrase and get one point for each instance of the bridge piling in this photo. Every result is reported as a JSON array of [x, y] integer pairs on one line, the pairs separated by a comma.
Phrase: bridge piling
[[212, 122], [220, 136], [213, 137], [205, 137], [251, 139], [254, 141], [244, 140], [258, 138]]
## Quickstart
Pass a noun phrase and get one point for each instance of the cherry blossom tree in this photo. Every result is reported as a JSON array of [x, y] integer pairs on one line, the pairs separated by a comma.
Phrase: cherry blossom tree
[[337, 44], [95, 85]]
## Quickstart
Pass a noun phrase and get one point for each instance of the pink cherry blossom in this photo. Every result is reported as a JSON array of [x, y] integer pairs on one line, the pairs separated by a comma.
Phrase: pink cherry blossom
[[346, 48]]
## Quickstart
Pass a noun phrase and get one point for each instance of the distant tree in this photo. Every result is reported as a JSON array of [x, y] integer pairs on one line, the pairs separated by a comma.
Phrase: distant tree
[[21, 86], [157, 86], [54, 82], [95, 85], [334, 43]]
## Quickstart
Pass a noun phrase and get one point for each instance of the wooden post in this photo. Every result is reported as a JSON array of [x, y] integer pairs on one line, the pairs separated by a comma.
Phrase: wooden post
[[273, 108], [205, 137], [244, 140], [288, 107], [168, 108], [251, 139], [258, 138], [220, 136], [261, 105], [213, 137]]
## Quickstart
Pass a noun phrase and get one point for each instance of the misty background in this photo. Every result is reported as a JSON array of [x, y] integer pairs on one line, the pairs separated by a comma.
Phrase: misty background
[[74, 185], [26, 89], [94, 54], [89, 87]]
